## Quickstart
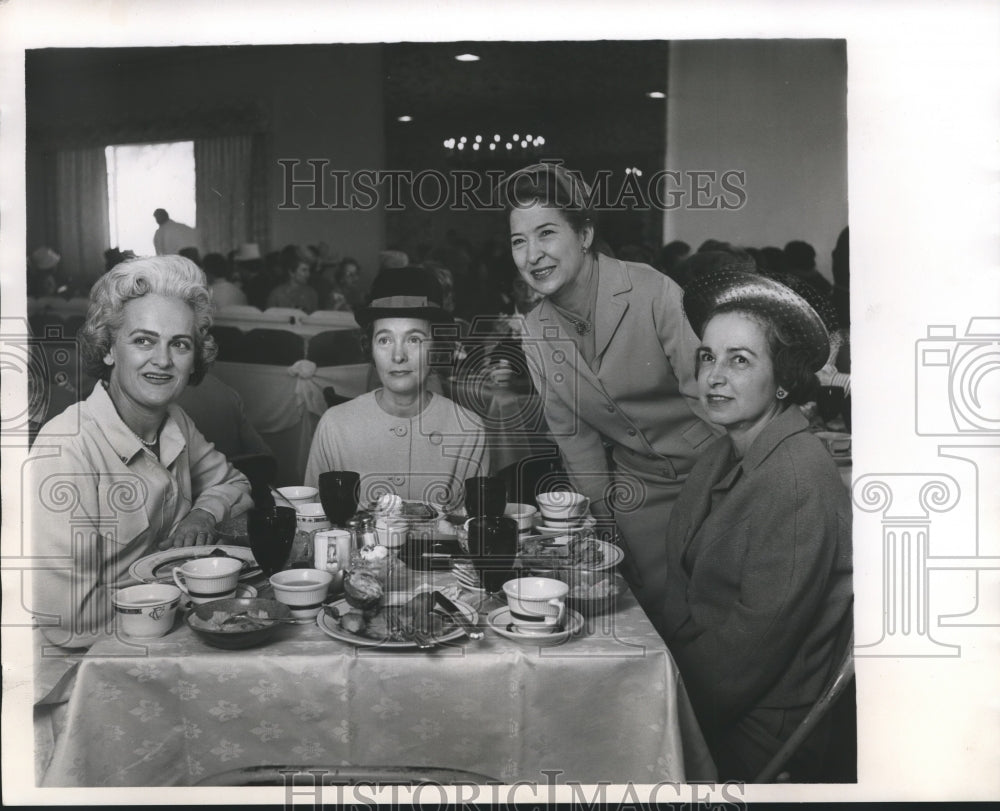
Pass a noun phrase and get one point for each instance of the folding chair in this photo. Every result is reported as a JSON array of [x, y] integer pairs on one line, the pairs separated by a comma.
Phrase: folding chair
[[842, 679]]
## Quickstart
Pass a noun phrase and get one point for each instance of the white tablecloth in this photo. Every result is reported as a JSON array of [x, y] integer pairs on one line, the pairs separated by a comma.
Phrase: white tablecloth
[[607, 705]]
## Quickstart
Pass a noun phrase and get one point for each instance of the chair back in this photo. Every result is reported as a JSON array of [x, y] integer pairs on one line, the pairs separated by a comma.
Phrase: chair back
[[843, 677], [273, 346], [528, 477], [336, 348], [230, 341]]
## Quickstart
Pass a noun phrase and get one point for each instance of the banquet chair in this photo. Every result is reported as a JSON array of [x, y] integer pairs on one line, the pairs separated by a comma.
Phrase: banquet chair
[[838, 690], [332, 398], [284, 775], [272, 346], [528, 477], [336, 348], [230, 342]]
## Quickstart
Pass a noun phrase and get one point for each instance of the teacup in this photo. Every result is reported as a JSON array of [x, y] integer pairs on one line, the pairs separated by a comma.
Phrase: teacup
[[302, 590], [208, 578], [146, 611], [562, 505], [297, 496], [837, 444], [537, 604], [310, 517], [391, 532], [523, 514]]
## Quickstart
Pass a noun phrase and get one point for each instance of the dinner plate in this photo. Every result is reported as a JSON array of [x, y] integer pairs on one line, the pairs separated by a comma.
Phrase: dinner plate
[[500, 621], [331, 627], [159, 567]]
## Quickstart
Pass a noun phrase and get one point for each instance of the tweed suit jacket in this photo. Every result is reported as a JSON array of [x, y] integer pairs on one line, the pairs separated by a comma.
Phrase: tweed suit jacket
[[759, 574]]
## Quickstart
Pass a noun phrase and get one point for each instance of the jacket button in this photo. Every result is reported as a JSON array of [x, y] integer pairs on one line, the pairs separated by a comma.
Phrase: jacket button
[[631, 432], [610, 408], [399, 430]]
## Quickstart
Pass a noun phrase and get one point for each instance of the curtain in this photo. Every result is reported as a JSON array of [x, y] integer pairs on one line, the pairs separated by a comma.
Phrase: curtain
[[227, 188], [81, 211]]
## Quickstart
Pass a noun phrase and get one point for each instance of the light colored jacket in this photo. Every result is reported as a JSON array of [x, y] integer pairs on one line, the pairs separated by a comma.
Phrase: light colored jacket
[[640, 398], [99, 501]]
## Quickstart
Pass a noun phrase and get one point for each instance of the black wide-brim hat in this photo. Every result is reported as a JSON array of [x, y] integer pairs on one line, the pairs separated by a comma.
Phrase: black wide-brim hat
[[739, 290], [409, 292]]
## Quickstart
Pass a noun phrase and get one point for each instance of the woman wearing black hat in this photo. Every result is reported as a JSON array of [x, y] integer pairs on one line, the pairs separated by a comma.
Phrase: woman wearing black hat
[[612, 357], [756, 605], [402, 438]]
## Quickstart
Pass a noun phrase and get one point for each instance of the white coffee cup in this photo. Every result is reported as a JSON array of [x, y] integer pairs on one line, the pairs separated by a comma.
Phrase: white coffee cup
[[299, 495], [209, 578], [311, 517], [302, 590], [146, 611], [524, 514], [537, 604], [562, 505]]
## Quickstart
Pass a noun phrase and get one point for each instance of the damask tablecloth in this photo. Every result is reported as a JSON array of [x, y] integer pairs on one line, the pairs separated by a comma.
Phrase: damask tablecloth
[[607, 705]]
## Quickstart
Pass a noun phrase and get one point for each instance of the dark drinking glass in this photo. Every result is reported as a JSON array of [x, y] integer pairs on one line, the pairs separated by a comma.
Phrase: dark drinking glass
[[271, 532], [493, 545], [485, 495], [338, 493]]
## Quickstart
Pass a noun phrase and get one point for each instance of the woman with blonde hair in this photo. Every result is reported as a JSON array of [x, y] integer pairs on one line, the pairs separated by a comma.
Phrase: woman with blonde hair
[[125, 472]]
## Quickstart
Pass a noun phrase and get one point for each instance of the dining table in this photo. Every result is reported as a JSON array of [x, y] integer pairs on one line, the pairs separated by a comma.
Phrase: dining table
[[604, 704]]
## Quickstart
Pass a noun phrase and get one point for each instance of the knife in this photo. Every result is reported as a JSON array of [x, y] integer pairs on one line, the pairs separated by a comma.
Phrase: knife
[[457, 616]]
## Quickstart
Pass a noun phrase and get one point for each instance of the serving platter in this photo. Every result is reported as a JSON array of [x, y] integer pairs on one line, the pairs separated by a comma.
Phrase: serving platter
[[159, 566], [331, 627]]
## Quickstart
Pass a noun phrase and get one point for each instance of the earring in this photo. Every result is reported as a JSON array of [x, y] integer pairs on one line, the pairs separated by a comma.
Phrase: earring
[[782, 394]]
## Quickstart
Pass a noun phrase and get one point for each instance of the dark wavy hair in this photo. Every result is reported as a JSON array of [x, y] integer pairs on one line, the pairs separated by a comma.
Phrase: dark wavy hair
[[169, 276], [794, 362], [551, 185]]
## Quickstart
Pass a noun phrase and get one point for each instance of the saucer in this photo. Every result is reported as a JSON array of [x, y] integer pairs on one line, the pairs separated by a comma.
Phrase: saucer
[[501, 622]]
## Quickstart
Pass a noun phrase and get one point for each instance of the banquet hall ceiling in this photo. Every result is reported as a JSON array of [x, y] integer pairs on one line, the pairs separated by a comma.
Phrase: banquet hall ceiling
[[422, 78]]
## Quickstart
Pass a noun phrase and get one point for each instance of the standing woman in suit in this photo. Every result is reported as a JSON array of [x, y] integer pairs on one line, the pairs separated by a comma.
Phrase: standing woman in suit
[[612, 356], [756, 605]]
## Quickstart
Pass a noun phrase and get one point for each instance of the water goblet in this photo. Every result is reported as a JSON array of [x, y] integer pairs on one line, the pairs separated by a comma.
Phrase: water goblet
[[493, 547], [271, 531], [338, 493]]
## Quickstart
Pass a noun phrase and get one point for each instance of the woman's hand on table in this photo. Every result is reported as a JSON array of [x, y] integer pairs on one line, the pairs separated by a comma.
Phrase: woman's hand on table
[[197, 528]]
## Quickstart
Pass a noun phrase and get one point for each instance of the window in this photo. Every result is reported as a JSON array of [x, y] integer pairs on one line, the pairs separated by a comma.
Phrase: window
[[143, 178]]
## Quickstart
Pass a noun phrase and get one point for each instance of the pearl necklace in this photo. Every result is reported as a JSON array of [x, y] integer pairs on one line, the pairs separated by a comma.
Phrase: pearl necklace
[[148, 444]]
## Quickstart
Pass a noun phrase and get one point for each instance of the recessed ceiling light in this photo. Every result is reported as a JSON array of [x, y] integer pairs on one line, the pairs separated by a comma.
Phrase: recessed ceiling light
[[467, 58], [406, 119], [656, 94]]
